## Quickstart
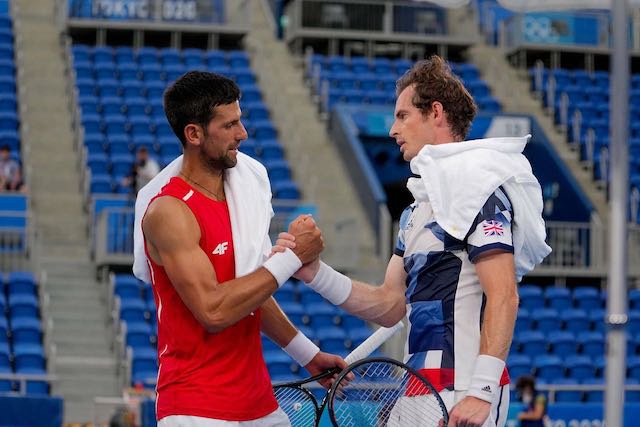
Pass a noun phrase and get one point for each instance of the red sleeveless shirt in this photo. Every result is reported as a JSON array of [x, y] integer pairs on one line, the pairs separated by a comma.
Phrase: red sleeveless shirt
[[220, 376]]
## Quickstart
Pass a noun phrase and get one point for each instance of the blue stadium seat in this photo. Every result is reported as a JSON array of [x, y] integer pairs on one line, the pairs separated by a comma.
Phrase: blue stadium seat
[[80, 52], [132, 88], [89, 104], [360, 64], [287, 293], [587, 298], [124, 55], [139, 126], [138, 334], [215, 58], [350, 322], [633, 326], [332, 339], [147, 55], [86, 86], [105, 70], [108, 87], [357, 336], [100, 183], [250, 93], [4, 331], [402, 66], [244, 76], [132, 310], [152, 72], [102, 54], [144, 368], [558, 298], [321, 314], [169, 56], [562, 342], [546, 319], [523, 320], [597, 316], [532, 343], [256, 110], [575, 320], [548, 367], [295, 311], [94, 143], [280, 365], [28, 356], [382, 66], [268, 346], [567, 395], [115, 124], [193, 58], [287, 190], [594, 396], [308, 296], [126, 286], [579, 367], [83, 69], [127, 72], [264, 130], [98, 163], [162, 128], [278, 169], [271, 149], [531, 297], [592, 343], [8, 121], [22, 305], [119, 144], [111, 105], [25, 330], [238, 59], [136, 106], [21, 282]]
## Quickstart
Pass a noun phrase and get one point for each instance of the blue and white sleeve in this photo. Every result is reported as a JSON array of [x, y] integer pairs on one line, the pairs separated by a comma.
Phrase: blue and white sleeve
[[491, 230], [400, 246]]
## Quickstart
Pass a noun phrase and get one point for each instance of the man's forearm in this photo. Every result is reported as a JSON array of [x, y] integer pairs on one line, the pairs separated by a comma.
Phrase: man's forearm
[[497, 327]]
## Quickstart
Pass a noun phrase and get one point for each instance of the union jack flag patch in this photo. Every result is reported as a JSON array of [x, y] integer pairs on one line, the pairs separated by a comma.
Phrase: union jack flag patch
[[492, 228]]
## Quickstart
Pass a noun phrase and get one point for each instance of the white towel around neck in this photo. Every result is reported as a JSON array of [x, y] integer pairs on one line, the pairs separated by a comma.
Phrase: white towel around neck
[[248, 194], [458, 178]]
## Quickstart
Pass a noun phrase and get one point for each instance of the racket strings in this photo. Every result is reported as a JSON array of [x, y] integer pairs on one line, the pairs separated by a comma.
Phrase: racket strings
[[298, 405], [383, 394]]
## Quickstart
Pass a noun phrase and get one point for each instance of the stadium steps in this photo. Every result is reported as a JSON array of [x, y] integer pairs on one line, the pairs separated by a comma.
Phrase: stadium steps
[[311, 152], [512, 90]]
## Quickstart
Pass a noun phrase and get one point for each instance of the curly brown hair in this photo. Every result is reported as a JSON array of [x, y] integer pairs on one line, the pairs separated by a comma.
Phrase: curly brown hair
[[434, 81]]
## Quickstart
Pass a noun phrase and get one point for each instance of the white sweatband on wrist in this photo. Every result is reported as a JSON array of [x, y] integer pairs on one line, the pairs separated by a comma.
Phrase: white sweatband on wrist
[[334, 286], [485, 380], [301, 349], [283, 265]]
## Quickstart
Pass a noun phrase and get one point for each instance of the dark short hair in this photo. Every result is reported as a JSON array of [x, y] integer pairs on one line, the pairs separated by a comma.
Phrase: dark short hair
[[525, 381], [193, 97], [434, 81]]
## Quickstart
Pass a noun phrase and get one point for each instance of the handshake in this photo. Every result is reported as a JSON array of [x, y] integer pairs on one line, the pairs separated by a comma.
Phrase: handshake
[[304, 238]]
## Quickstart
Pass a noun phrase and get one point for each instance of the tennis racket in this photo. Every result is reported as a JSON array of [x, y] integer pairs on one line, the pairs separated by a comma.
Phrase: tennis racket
[[384, 392], [299, 403]]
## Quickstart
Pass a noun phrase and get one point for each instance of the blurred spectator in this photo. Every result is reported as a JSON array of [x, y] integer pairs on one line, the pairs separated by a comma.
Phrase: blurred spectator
[[535, 403], [144, 169], [10, 173]]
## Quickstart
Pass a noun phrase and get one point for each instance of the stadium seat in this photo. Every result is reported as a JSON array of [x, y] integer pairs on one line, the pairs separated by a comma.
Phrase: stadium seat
[[101, 183], [575, 320], [126, 286], [532, 343], [558, 298], [132, 310], [567, 395], [21, 282], [308, 296], [548, 367], [587, 298], [332, 339], [633, 367], [594, 395], [531, 297], [22, 305], [562, 342], [592, 343], [546, 319], [596, 317], [632, 395], [28, 356], [349, 322], [144, 367], [634, 299], [26, 330], [633, 327], [579, 367], [280, 364], [278, 169], [4, 332], [321, 314], [138, 334], [286, 190], [523, 321]]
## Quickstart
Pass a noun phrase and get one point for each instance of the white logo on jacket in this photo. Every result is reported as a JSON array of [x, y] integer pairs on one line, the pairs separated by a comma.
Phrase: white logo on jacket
[[221, 248]]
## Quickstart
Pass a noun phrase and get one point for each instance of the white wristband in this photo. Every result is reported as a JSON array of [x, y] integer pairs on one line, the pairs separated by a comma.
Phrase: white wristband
[[283, 265], [485, 380], [334, 286], [301, 349]]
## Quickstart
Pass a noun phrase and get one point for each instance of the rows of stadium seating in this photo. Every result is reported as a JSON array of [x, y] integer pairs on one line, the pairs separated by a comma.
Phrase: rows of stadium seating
[[318, 319], [361, 80], [588, 93], [9, 120], [21, 349], [120, 95]]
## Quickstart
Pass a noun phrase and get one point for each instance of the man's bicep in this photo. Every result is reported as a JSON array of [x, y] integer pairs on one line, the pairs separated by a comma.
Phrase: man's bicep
[[395, 276]]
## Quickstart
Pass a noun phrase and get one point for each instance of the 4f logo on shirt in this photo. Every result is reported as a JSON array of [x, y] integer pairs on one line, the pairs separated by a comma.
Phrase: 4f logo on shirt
[[221, 248], [492, 228]]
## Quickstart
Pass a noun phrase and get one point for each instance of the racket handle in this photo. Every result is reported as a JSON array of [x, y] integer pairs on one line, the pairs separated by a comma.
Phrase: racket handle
[[372, 343]]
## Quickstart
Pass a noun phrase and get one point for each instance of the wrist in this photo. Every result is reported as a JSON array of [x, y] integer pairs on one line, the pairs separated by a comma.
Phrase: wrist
[[301, 349], [283, 265], [334, 286], [485, 380]]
